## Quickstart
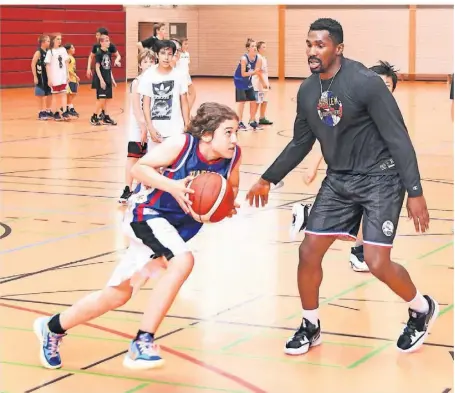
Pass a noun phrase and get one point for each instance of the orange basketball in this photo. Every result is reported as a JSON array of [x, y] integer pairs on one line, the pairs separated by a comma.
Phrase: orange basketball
[[213, 197]]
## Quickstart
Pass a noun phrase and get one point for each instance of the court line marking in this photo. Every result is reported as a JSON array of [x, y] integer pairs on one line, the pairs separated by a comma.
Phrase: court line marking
[[116, 376], [56, 239], [174, 352], [369, 355]]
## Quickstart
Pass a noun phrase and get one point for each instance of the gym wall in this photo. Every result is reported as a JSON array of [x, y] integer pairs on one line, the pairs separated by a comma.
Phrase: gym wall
[[20, 27]]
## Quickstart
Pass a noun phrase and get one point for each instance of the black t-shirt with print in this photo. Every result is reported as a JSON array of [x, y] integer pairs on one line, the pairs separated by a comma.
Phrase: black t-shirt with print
[[358, 124], [112, 48], [40, 68], [104, 59]]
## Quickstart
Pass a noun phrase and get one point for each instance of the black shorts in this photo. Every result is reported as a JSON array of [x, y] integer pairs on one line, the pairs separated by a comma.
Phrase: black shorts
[[244, 95], [104, 94], [95, 81], [343, 199], [137, 149]]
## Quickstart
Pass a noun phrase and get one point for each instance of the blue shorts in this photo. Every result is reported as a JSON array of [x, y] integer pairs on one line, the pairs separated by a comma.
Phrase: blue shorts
[[72, 88], [42, 92]]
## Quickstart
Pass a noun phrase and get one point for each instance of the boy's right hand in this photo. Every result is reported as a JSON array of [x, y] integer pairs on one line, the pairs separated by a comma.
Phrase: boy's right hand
[[89, 74], [103, 85], [156, 136], [35, 80], [180, 191]]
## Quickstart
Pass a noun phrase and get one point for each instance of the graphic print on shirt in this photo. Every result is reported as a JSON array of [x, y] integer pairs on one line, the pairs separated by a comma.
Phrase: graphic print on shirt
[[330, 109], [60, 61], [163, 93], [106, 62]]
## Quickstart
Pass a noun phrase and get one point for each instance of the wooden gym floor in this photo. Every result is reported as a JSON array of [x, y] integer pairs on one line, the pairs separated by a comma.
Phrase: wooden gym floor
[[60, 239]]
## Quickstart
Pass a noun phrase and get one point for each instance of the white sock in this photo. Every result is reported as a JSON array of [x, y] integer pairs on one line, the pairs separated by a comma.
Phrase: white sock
[[312, 316], [419, 304], [70, 106]]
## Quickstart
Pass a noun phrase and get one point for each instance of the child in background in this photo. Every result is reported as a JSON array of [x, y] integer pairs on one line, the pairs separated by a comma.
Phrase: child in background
[[73, 83], [42, 89]]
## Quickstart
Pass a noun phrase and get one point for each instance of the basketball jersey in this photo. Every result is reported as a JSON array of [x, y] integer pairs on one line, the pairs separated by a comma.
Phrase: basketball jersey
[[134, 131], [40, 68], [244, 83], [152, 203]]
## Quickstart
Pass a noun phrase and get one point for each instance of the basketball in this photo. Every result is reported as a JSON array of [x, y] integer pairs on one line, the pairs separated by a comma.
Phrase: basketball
[[213, 197]]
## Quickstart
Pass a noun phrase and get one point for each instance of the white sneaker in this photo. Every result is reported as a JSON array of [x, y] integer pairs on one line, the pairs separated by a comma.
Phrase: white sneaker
[[357, 260], [300, 214]]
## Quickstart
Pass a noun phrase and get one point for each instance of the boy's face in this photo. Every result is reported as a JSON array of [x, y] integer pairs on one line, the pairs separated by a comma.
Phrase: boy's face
[[185, 46], [46, 43], [104, 41], [72, 50], [224, 138], [98, 35], [146, 63], [164, 57], [58, 41], [388, 82]]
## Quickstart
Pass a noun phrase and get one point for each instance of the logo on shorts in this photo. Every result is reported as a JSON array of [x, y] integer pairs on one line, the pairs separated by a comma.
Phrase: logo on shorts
[[387, 228], [330, 109]]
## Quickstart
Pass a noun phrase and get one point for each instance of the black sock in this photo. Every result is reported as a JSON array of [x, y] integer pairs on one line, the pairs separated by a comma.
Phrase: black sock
[[54, 325], [140, 332]]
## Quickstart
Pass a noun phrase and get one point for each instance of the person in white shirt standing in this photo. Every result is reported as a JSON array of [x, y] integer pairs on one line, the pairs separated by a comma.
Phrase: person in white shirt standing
[[164, 90], [184, 63], [261, 85], [56, 61], [137, 128]]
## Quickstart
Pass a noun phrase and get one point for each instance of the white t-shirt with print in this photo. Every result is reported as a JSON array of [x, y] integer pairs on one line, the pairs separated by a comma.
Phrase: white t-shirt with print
[[165, 91], [265, 74], [57, 58]]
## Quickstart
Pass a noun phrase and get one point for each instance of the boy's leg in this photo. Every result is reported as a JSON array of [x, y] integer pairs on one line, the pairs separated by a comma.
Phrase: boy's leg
[[170, 243], [357, 257], [136, 150], [50, 331], [105, 118]]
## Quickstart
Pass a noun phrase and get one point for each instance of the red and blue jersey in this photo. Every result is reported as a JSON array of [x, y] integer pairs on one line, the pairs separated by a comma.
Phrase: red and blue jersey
[[152, 203]]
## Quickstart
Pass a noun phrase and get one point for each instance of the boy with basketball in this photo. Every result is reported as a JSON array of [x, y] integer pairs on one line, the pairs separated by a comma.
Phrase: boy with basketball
[[300, 211], [137, 141], [159, 228]]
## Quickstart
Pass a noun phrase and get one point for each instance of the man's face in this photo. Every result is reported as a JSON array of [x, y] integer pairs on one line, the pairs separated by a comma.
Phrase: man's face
[[320, 50]]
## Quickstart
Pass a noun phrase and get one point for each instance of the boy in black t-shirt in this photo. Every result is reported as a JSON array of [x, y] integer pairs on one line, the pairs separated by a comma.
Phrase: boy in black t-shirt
[[42, 89], [105, 82]]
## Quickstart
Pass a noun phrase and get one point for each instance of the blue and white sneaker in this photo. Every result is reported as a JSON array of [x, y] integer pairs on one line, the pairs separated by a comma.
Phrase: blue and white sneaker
[[300, 214], [143, 354], [49, 344]]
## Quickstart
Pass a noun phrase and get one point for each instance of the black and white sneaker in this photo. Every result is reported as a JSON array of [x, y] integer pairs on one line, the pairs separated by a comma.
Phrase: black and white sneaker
[[357, 260], [418, 327], [308, 335], [125, 196], [300, 214]]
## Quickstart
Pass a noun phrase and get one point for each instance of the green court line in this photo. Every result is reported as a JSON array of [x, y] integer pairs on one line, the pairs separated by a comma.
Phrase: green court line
[[369, 355], [435, 250], [247, 356], [446, 309], [243, 339], [373, 279], [82, 336], [124, 377], [137, 388]]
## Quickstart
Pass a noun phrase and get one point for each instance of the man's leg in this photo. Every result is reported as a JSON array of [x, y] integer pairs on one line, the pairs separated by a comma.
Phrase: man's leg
[[382, 212], [332, 216]]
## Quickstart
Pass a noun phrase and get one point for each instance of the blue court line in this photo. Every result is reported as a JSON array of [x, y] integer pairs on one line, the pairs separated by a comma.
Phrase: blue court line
[[56, 239]]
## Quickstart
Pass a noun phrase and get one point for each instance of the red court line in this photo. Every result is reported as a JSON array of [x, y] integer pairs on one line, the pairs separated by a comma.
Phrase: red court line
[[181, 355]]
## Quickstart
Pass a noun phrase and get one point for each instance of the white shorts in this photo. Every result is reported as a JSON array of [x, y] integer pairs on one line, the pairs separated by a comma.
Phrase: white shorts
[[190, 82], [149, 238], [261, 96]]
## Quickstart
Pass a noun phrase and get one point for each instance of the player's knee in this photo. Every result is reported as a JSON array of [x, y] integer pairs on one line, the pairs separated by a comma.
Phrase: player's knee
[[118, 296], [308, 254], [377, 263], [183, 263]]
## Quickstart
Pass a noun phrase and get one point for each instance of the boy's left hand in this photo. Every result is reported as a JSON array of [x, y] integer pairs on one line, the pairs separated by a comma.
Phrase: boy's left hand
[[114, 83], [234, 210]]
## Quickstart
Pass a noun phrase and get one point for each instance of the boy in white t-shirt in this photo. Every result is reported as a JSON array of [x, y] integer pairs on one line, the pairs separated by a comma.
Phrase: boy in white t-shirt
[[164, 90], [137, 128], [184, 65], [56, 61], [261, 85]]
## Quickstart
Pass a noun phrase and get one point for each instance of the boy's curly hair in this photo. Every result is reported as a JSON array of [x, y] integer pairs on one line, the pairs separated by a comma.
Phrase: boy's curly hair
[[208, 118]]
